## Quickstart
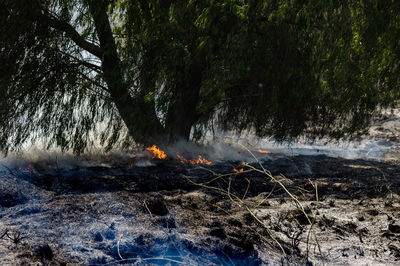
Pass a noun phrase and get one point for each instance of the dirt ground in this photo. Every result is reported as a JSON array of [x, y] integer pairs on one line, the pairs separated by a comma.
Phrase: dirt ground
[[172, 214]]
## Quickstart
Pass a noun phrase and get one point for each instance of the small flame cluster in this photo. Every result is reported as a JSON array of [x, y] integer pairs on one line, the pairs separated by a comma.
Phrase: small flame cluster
[[160, 154], [200, 160], [238, 170], [262, 151], [29, 170], [157, 153]]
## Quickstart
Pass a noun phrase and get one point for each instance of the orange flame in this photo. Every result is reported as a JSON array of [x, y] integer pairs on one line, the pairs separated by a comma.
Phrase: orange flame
[[199, 160], [157, 153], [30, 170], [183, 159], [238, 171], [262, 151]]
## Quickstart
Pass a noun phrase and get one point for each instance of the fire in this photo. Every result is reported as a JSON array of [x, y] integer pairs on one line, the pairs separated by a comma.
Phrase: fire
[[262, 151], [29, 170], [238, 171], [157, 153], [183, 159], [200, 160]]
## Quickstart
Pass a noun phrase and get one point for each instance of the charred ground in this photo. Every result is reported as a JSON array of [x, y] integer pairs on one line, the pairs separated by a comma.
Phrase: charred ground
[[177, 212]]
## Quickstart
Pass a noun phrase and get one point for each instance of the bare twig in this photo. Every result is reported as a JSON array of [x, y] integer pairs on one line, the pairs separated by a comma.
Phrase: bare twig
[[119, 253], [4, 234], [145, 205]]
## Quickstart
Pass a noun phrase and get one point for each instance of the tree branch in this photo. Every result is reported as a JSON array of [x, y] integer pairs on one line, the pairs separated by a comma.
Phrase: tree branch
[[71, 32], [94, 82], [79, 61]]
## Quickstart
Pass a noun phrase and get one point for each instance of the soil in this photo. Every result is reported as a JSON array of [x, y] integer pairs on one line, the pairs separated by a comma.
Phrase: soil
[[170, 213]]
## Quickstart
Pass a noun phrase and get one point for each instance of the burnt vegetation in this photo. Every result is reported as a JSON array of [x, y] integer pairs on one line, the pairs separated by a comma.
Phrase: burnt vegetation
[[238, 211]]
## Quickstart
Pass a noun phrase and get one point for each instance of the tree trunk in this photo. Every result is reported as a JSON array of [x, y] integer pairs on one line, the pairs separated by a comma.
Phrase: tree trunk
[[138, 115], [182, 114]]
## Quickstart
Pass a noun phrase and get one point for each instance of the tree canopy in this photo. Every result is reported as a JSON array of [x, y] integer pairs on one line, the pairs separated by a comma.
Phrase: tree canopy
[[77, 70]]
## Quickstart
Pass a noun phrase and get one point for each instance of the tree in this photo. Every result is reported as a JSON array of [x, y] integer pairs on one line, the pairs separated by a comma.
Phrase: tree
[[167, 69]]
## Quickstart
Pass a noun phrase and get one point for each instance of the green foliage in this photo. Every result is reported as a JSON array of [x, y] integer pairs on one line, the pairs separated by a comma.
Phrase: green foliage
[[280, 68], [48, 92]]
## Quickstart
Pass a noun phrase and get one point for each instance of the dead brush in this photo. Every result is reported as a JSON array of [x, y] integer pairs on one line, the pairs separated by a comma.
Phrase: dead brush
[[15, 237], [251, 207]]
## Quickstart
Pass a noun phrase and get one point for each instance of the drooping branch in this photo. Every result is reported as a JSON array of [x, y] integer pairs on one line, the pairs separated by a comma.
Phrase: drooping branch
[[71, 32], [90, 66], [83, 75]]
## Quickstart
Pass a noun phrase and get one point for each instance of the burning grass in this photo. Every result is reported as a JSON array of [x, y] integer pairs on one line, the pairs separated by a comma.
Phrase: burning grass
[[238, 170], [263, 151], [157, 153], [199, 160]]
